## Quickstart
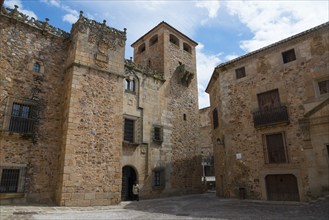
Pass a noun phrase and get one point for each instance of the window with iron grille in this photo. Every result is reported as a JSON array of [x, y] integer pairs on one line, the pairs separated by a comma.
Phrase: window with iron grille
[[158, 178], [288, 56], [275, 148], [240, 73], [129, 130], [157, 133], [21, 118], [215, 118], [323, 86], [36, 67], [9, 180]]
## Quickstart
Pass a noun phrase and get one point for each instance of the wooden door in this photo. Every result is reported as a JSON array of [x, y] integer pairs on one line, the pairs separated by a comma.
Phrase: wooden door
[[282, 187]]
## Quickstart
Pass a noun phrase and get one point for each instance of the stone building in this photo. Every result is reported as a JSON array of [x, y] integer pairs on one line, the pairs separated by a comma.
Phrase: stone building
[[206, 149], [270, 116], [80, 124]]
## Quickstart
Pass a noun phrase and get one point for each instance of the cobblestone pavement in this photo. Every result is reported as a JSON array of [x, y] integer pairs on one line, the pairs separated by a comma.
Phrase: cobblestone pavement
[[201, 206]]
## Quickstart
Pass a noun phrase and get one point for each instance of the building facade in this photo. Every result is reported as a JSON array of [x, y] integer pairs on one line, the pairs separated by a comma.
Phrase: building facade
[[206, 149], [80, 124], [270, 116]]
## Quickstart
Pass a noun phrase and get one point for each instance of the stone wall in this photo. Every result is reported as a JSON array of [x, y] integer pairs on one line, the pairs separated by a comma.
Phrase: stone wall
[[22, 46], [91, 154], [241, 161]]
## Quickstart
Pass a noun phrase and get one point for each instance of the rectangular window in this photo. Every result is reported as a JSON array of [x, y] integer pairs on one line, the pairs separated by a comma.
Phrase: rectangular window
[[215, 118], [240, 73], [21, 119], [157, 134], [129, 130], [269, 100], [288, 56], [159, 178], [9, 181], [275, 148], [323, 86]]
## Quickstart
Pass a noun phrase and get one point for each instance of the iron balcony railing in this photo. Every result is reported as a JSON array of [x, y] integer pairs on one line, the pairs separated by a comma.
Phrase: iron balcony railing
[[271, 116], [21, 125]]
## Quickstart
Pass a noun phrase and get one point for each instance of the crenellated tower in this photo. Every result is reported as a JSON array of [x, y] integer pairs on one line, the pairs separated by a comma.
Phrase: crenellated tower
[[90, 171]]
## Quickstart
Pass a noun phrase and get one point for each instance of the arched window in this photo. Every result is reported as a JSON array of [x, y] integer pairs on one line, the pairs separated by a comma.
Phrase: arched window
[[173, 39], [187, 48], [153, 40], [141, 48], [127, 84], [130, 85], [36, 67]]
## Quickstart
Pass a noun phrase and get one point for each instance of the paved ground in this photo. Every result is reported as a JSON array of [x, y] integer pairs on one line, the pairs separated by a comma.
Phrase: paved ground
[[204, 206]]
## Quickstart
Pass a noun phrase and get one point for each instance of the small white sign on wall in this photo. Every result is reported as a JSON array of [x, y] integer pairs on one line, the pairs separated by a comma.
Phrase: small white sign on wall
[[238, 156]]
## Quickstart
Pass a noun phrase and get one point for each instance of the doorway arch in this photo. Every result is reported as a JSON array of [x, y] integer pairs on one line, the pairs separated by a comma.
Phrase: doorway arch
[[128, 178]]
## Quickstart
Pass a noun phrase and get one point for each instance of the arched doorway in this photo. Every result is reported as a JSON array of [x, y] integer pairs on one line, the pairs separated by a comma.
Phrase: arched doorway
[[128, 178], [282, 187]]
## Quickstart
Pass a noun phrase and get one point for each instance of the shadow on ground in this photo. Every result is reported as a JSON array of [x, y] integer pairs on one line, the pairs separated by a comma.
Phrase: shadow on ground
[[209, 206]]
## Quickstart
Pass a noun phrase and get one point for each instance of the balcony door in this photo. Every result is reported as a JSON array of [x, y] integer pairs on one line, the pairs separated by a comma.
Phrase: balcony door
[[268, 101]]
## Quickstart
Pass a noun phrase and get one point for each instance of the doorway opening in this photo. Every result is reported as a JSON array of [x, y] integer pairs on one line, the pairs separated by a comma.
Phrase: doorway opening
[[128, 178]]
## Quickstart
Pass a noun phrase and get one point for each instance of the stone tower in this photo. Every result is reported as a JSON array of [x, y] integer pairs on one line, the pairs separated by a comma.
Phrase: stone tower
[[167, 50], [90, 169]]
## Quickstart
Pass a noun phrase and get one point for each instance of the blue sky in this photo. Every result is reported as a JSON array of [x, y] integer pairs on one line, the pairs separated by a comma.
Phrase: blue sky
[[223, 29]]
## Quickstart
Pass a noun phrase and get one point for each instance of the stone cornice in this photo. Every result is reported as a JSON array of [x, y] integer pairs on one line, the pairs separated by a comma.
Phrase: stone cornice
[[41, 25]]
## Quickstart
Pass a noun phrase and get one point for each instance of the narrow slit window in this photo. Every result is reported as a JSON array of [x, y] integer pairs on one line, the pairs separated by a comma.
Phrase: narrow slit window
[[36, 68]]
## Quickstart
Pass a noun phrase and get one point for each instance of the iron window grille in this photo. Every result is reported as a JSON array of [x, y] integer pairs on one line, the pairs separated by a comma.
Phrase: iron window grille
[[157, 133], [158, 178], [22, 118], [129, 130], [9, 180], [36, 67]]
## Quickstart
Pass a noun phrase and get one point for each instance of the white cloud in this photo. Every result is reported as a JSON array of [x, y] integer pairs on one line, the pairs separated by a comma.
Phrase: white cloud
[[205, 68], [271, 21], [55, 3], [70, 18], [12, 3], [230, 57], [211, 6]]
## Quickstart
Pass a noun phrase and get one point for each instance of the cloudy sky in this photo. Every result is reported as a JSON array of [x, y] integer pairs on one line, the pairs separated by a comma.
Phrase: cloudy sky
[[223, 29]]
